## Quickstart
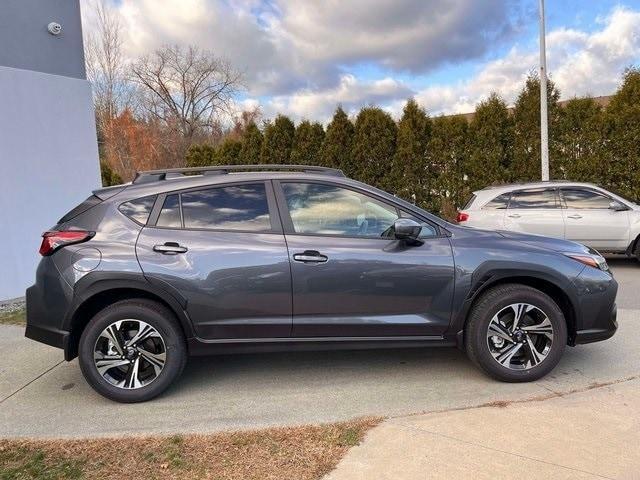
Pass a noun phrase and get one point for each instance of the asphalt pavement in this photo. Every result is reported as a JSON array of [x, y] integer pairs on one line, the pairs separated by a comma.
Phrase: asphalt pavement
[[42, 396]]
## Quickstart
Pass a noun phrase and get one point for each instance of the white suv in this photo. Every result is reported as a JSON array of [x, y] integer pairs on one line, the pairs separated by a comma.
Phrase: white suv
[[581, 212]]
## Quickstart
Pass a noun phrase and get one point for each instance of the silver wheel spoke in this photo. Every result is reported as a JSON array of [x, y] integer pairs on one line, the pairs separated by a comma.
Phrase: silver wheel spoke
[[543, 328], [108, 362], [131, 380], [155, 359], [112, 333], [504, 356], [144, 331], [518, 310], [498, 330], [534, 356]]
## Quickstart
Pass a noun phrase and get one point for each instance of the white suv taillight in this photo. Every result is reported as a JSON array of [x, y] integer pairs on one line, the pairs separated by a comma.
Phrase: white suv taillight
[[462, 217]]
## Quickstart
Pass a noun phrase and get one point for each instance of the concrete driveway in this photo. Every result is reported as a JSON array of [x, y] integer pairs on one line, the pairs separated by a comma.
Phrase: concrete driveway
[[42, 396]]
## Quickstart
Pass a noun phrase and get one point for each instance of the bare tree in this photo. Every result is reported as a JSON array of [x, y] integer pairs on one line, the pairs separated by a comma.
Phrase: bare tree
[[188, 89], [105, 62]]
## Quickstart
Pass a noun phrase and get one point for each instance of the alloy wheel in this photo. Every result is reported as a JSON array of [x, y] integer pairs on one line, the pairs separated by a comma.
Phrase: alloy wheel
[[129, 354], [520, 336]]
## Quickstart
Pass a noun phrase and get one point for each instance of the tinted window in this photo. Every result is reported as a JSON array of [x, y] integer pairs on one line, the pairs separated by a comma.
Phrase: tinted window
[[237, 207], [170, 213], [533, 199], [584, 199], [500, 202], [139, 209], [328, 209]]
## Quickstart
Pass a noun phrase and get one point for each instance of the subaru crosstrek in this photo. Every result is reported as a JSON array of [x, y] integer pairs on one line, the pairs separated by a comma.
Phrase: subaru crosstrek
[[269, 258]]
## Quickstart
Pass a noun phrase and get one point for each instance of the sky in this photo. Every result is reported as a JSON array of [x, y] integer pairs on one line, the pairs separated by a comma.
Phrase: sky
[[304, 57]]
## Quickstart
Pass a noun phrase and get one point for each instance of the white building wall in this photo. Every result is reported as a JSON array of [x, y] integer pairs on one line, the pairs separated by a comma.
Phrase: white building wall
[[48, 164]]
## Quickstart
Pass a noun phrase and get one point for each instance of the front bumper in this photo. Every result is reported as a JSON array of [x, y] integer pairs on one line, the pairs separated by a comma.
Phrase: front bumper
[[597, 312], [604, 332]]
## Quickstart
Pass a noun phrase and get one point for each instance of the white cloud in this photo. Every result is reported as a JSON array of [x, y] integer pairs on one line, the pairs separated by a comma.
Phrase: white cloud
[[351, 93], [289, 45], [579, 63]]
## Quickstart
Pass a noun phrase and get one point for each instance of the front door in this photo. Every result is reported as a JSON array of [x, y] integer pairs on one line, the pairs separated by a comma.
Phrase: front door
[[349, 278], [535, 211], [223, 250], [589, 220]]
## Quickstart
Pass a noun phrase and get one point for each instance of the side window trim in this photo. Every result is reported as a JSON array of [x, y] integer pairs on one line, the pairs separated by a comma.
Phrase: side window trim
[[287, 222], [274, 216]]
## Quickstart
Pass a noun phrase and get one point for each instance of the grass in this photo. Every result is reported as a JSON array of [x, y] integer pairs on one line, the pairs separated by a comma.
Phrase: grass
[[17, 317], [301, 453]]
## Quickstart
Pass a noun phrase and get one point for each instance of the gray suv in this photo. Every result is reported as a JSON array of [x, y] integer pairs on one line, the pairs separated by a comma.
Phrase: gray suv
[[268, 258]]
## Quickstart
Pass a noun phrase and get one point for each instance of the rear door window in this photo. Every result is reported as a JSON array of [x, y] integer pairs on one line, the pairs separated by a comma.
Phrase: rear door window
[[170, 216], [538, 198], [584, 199], [234, 207]]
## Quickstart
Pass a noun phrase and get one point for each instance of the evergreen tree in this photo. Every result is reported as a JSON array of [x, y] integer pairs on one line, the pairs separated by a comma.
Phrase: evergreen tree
[[278, 140], [202, 155], [447, 153], [337, 145], [374, 145], [526, 154], [580, 143], [307, 143], [409, 177], [490, 144], [622, 150], [251, 145], [108, 175], [229, 151]]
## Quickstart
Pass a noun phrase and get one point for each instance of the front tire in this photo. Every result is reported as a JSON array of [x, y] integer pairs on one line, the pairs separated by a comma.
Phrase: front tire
[[515, 333], [132, 351]]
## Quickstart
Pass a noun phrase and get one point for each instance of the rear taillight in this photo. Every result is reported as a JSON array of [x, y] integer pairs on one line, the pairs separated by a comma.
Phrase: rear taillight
[[462, 217], [53, 240]]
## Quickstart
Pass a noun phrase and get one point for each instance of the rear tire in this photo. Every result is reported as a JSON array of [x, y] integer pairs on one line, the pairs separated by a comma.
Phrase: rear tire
[[513, 350], [132, 351]]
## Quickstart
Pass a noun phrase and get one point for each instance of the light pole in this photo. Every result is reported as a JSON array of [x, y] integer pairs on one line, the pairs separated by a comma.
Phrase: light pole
[[544, 124]]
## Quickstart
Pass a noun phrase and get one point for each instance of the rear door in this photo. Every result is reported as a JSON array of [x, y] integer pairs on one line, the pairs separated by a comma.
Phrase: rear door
[[535, 210], [350, 279], [222, 249], [590, 220]]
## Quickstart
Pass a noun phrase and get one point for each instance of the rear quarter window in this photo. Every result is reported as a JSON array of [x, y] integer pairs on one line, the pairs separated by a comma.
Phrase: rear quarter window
[[139, 209]]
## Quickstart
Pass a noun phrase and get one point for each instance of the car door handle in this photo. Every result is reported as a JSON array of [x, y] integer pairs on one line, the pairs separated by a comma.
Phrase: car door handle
[[170, 248], [310, 256], [514, 215], [574, 216]]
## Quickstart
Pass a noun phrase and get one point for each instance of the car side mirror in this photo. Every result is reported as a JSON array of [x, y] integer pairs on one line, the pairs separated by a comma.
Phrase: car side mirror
[[406, 229], [617, 206]]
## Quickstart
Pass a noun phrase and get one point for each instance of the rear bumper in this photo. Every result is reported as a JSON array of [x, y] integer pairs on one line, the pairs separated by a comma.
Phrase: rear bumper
[[47, 302]]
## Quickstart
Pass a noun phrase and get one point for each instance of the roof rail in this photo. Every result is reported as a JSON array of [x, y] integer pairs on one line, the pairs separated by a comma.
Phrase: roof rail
[[165, 174]]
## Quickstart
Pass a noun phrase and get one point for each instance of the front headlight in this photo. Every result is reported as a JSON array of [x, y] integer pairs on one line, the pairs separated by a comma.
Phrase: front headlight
[[592, 260]]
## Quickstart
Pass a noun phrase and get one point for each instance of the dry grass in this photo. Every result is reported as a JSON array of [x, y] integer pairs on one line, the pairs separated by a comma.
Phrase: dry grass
[[300, 453], [13, 318]]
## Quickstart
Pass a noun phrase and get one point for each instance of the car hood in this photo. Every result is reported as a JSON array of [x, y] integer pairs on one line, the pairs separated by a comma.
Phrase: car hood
[[549, 243]]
